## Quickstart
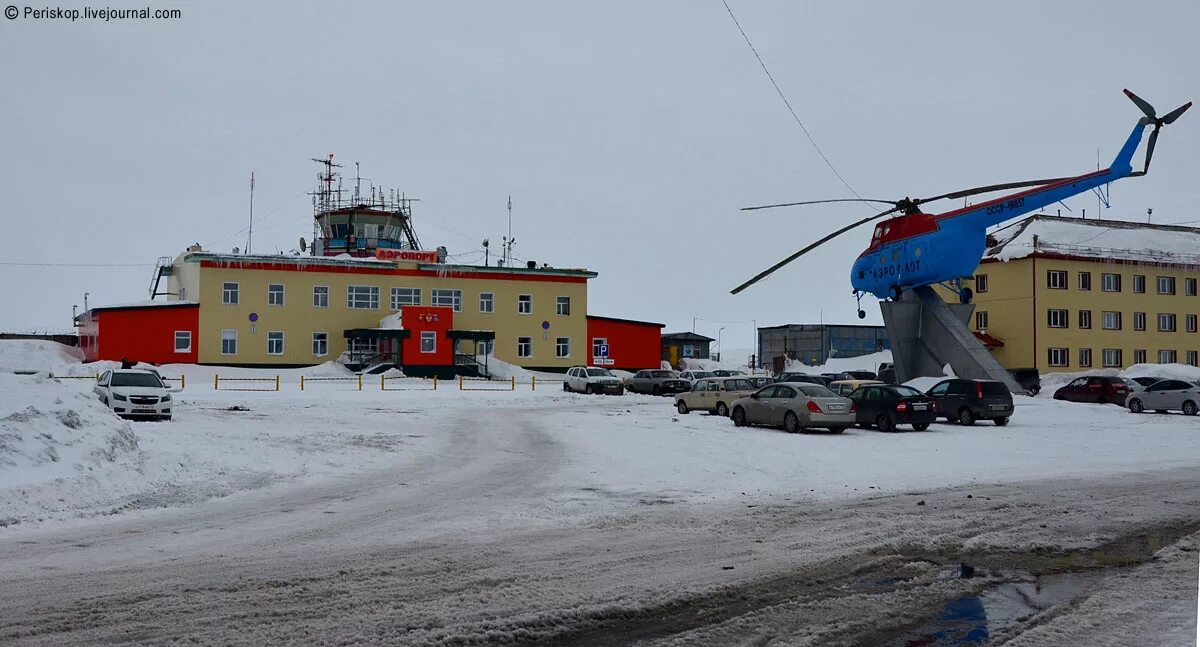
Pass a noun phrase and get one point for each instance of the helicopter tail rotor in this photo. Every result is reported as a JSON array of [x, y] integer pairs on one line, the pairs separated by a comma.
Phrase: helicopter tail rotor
[[1152, 118]]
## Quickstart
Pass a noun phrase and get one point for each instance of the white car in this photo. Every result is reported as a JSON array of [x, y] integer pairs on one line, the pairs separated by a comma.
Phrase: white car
[[692, 376], [592, 379], [135, 393]]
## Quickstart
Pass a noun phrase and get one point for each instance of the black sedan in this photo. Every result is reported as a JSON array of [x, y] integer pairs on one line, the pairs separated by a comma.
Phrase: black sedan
[[888, 405]]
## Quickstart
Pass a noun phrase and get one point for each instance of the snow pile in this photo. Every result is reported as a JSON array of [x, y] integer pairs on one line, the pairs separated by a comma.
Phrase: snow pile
[[1053, 381], [1108, 239], [869, 362], [392, 322], [57, 442], [37, 355]]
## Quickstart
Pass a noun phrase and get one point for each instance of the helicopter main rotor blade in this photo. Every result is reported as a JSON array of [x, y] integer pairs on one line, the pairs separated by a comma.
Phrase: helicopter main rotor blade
[[1170, 117], [990, 188], [1142, 105], [767, 272], [1150, 150], [793, 204]]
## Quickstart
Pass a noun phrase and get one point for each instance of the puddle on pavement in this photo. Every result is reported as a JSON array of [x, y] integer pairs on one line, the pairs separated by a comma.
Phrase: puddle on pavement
[[975, 619]]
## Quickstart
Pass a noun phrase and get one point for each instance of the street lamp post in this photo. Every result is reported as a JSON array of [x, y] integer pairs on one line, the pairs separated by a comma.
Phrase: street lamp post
[[719, 342]]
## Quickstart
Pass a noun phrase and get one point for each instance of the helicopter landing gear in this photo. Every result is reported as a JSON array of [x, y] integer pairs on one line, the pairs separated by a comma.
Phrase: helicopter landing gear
[[895, 292], [862, 314]]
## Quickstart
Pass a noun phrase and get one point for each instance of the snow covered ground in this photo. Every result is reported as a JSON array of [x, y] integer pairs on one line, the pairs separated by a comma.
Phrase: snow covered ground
[[537, 514]]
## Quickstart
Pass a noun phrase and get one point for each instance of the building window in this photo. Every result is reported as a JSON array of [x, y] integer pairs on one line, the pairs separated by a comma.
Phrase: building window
[[1189, 287], [1191, 358], [1085, 280], [1166, 322], [275, 294], [1057, 356], [183, 294], [981, 320], [1056, 318], [229, 342], [524, 304], [183, 341], [562, 347], [597, 342], [362, 297], [1112, 282], [428, 341], [229, 294], [320, 296], [275, 342], [485, 347], [447, 299], [1139, 321], [1056, 279], [981, 283], [1085, 358], [1139, 356], [405, 297], [1166, 285], [1110, 320], [1085, 319], [487, 302], [1166, 357], [1190, 323], [1139, 283], [1112, 358], [562, 306], [320, 344], [524, 346]]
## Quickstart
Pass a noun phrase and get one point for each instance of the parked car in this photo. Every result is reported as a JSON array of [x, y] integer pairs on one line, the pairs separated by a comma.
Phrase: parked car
[[862, 375], [759, 381], [795, 407], [888, 375], [803, 377], [1166, 395], [727, 373], [1027, 378], [592, 379], [134, 393], [1096, 388], [969, 400], [692, 376], [714, 394], [657, 382], [834, 377], [887, 405], [846, 387], [1143, 382]]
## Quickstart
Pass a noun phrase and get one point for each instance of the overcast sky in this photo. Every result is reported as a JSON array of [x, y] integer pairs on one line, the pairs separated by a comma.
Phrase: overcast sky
[[628, 133]]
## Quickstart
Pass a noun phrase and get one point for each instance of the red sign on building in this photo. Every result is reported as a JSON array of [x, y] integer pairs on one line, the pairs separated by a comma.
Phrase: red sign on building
[[417, 255]]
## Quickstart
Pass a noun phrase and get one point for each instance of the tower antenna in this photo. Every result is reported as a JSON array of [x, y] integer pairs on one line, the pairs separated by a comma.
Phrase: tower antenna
[[250, 235]]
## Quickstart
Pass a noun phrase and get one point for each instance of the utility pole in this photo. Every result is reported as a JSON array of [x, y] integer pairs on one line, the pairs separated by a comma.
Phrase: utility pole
[[250, 235]]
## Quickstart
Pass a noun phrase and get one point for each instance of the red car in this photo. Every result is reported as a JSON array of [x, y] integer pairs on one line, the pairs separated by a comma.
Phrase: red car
[[1102, 390]]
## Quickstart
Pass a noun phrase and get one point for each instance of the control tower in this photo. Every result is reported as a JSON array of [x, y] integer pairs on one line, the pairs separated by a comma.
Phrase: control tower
[[361, 224]]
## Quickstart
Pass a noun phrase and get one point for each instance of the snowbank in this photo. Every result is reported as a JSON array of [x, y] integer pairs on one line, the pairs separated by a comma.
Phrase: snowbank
[[58, 446], [868, 362], [36, 355], [1053, 381]]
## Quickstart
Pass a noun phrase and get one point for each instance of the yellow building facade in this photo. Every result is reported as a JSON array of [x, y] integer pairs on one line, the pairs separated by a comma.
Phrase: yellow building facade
[[1063, 295], [281, 310]]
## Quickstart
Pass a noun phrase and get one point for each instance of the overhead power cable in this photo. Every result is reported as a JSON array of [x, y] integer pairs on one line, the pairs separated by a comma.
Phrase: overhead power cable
[[788, 103]]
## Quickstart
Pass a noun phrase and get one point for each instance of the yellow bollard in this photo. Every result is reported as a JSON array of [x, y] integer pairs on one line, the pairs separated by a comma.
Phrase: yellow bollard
[[183, 381], [514, 383], [276, 382], [533, 383], [460, 383], [216, 381], [301, 382], [435, 381], [381, 382]]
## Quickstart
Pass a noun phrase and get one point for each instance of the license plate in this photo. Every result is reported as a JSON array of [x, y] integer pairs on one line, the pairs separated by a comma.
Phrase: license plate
[[143, 410], [997, 407], [920, 407]]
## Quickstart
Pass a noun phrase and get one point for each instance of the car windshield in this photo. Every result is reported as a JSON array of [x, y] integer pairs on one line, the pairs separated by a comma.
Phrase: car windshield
[[905, 391], [699, 374], [660, 374], [598, 372], [817, 391], [135, 379], [994, 389]]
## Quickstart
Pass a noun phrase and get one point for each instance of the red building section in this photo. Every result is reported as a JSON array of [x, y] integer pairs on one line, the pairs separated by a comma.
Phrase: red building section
[[427, 343], [632, 345], [159, 334]]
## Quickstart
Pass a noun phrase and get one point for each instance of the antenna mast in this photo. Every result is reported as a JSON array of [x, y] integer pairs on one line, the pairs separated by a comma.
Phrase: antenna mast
[[250, 235], [508, 240]]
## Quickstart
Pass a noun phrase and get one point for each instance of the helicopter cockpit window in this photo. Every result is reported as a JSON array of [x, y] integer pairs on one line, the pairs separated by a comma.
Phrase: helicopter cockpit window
[[878, 232]]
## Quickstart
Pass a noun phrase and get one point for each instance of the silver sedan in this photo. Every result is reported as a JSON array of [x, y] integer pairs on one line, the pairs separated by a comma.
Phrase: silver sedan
[[795, 407], [1166, 395]]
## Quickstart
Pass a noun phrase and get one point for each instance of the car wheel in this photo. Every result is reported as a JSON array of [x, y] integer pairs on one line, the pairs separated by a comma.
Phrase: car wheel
[[566, 387], [885, 423], [791, 423], [965, 417], [739, 417], [655, 390], [1000, 422], [722, 410], [587, 389], [920, 426], [681, 407], [1135, 406], [1189, 408]]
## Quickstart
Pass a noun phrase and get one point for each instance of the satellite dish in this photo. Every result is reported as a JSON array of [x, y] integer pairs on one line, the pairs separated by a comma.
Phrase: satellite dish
[[236, 250], [303, 245]]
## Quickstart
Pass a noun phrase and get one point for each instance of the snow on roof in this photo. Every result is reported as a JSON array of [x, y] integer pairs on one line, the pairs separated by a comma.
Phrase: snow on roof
[[146, 304], [1102, 239]]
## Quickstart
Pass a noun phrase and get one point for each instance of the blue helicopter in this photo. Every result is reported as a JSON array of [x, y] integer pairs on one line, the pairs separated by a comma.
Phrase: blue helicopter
[[916, 248]]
